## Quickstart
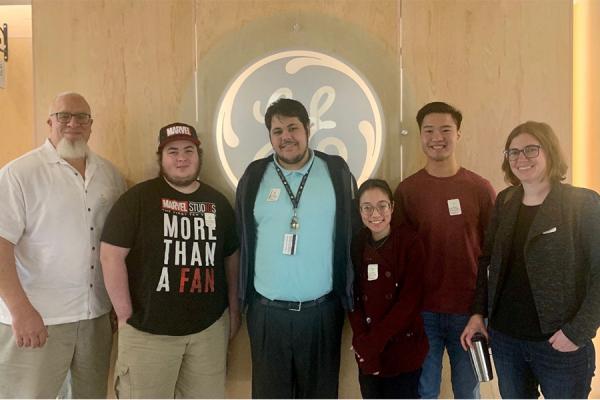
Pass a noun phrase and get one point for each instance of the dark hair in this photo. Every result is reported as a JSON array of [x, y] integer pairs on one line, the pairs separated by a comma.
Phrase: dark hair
[[287, 108], [556, 167], [375, 184], [439, 107], [159, 154]]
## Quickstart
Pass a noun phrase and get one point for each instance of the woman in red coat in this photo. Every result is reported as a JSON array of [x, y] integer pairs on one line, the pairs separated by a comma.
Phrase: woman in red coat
[[389, 339]]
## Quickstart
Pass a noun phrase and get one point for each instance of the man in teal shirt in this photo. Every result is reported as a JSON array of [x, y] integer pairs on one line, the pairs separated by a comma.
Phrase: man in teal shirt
[[296, 213]]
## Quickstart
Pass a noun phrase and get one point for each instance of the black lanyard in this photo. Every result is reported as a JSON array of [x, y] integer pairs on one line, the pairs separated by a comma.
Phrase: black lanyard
[[295, 199]]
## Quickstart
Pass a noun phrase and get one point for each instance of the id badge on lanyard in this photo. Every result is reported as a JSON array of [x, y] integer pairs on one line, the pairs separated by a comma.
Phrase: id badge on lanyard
[[290, 240]]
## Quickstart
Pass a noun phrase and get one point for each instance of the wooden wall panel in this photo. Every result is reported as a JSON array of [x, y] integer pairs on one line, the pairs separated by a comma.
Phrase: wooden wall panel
[[16, 102], [373, 17], [131, 59], [500, 62]]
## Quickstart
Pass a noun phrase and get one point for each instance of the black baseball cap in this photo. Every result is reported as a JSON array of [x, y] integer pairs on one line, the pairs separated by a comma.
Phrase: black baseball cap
[[177, 131]]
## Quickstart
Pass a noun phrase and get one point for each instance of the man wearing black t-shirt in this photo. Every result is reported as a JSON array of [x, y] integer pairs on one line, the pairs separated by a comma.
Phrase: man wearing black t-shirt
[[170, 258]]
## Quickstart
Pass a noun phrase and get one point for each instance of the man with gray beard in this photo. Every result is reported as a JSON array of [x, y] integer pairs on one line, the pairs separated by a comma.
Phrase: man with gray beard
[[54, 309]]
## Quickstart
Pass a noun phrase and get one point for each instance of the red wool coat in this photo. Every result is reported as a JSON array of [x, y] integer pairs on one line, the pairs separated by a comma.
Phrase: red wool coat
[[386, 321]]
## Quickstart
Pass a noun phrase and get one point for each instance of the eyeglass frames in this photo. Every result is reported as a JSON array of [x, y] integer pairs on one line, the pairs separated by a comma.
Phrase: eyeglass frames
[[529, 151], [64, 117], [382, 207]]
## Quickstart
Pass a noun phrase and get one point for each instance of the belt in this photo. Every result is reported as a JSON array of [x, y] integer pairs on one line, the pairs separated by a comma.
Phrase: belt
[[294, 305]]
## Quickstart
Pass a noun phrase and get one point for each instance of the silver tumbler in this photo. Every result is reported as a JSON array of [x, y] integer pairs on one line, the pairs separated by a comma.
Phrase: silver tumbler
[[480, 358]]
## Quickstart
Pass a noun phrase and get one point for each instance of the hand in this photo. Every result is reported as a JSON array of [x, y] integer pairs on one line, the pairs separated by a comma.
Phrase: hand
[[114, 322], [561, 342], [475, 325], [235, 321], [28, 328], [361, 363], [358, 357], [122, 319]]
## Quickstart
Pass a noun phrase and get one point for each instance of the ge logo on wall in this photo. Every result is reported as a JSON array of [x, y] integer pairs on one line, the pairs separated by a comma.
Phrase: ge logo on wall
[[345, 115]]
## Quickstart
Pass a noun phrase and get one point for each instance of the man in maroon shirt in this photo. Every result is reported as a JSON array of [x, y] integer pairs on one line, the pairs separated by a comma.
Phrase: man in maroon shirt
[[450, 207]]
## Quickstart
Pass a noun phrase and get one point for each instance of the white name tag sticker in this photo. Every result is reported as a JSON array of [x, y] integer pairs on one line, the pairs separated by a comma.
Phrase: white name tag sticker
[[210, 221], [372, 272], [274, 194], [454, 207], [290, 241]]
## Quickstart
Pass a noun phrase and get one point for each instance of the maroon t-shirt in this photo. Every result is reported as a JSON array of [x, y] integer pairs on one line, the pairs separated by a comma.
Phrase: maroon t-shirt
[[451, 215]]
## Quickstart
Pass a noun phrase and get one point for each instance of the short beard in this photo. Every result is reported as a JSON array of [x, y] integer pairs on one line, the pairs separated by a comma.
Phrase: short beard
[[293, 161], [69, 150], [181, 182]]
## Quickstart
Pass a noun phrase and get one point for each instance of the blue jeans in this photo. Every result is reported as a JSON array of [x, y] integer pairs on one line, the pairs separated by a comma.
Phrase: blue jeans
[[522, 365], [443, 332]]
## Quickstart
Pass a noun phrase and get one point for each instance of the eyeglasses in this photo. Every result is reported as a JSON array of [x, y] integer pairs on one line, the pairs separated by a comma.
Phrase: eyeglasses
[[383, 207], [529, 151], [64, 117]]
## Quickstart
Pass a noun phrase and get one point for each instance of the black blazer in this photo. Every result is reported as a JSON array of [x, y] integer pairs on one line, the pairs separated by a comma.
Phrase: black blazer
[[562, 259]]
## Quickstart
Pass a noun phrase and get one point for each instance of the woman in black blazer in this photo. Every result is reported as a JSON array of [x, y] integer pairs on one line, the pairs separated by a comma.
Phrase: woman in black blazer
[[539, 274]]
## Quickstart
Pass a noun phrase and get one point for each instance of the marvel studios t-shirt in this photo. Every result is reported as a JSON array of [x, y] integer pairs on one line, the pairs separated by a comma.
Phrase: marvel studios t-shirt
[[175, 265]]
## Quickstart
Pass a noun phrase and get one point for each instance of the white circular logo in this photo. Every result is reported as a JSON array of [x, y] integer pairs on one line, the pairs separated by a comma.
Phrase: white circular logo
[[345, 115]]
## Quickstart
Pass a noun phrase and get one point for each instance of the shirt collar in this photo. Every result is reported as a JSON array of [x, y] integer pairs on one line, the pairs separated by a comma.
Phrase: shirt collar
[[50, 153], [301, 171]]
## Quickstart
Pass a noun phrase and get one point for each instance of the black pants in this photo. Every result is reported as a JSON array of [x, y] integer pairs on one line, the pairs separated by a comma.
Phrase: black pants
[[403, 386], [295, 354]]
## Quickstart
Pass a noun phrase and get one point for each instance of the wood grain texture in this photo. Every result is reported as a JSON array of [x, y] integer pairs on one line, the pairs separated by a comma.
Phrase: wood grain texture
[[500, 62], [16, 102], [374, 17], [130, 59]]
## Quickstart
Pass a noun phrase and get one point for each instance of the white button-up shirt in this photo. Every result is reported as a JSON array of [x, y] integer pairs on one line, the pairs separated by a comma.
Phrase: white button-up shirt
[[54, 217]]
